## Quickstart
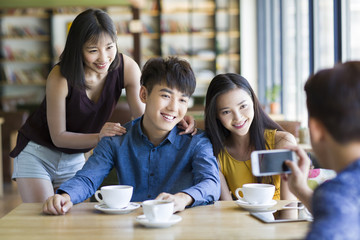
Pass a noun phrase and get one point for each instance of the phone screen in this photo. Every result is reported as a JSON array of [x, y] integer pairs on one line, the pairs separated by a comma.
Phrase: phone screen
[[274, 161]]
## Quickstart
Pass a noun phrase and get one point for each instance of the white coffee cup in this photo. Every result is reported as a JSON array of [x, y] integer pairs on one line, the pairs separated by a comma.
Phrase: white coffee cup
[[115, 196], [256, 193], [158, 210]]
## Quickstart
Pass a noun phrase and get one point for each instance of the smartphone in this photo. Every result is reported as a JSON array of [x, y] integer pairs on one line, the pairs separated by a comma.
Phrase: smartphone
[[271, 162]]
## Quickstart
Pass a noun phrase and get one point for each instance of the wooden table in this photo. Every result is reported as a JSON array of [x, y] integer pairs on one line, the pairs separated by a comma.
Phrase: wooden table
[[223, 220]]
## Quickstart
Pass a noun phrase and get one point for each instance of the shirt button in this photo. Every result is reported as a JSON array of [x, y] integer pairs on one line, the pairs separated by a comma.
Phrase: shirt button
[[152, 174], [153, 150], [149, 196]]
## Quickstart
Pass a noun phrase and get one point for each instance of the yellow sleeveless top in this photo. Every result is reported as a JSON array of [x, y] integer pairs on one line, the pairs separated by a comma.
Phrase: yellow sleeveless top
[[238, 173]]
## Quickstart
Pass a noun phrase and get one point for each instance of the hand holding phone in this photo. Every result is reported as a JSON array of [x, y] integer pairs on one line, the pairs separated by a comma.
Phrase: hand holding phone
[[271, 162]]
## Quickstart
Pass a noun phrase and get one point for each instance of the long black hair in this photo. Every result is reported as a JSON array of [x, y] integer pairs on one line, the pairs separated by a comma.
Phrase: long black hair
[[87, 26], [217, 133]]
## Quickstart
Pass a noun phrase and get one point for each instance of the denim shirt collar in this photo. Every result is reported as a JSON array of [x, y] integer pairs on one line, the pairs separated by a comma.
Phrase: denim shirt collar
[[171, 137]]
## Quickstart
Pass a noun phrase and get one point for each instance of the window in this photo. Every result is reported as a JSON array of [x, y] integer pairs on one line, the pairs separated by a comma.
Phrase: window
[[351, 36], [296, 58], [299, 37], [283, 53], [323, 34]]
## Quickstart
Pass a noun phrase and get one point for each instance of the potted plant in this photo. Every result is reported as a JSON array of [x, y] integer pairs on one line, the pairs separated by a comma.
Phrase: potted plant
[[273, 95]]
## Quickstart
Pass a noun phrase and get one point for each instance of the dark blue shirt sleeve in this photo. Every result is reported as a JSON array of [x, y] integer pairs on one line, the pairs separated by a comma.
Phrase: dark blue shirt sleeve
[[206, 188], [87, 180], [335, 211]]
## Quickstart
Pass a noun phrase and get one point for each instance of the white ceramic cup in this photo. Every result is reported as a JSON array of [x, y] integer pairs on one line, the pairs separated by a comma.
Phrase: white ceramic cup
[[256, 193], [158, 210], [115, 196]]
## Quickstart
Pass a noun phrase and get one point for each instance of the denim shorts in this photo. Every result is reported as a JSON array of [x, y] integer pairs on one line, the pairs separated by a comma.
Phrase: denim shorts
[[37, 161]]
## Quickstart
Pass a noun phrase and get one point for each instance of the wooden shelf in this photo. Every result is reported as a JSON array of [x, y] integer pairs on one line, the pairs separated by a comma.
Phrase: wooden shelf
[[231, 34], [44, 38], [202, 36], [16, 15], [58, 4], [228, 11], [26, 44], [164, 34], [32, 83], [151, 35], [232, 56], [27, 61], [153, 13]]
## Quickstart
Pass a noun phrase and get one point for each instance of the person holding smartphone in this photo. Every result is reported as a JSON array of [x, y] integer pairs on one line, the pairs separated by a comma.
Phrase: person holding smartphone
[[333, 102], [237, 125]]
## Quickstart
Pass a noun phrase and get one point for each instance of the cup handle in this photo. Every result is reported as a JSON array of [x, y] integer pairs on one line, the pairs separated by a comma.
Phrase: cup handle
[[237, 193], [97, 196]]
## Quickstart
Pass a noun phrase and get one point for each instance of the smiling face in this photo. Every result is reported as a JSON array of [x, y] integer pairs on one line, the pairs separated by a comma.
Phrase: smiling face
[[235, 111], [165, 107], [99, 55]]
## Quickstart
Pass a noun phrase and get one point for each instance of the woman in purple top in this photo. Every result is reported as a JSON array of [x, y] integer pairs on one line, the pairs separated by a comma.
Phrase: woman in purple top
[[82, 91]]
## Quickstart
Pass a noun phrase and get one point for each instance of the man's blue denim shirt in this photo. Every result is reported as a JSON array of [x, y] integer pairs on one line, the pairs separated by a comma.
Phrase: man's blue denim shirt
[[181, 163], [336, 206]]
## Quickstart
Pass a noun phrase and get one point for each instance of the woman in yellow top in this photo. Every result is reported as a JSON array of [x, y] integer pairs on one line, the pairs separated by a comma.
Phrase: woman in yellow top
[[237, 125]]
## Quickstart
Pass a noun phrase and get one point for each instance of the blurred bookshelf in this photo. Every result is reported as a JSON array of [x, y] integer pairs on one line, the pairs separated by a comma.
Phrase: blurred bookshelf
[[204, 32], [25, 56], [31, 42]]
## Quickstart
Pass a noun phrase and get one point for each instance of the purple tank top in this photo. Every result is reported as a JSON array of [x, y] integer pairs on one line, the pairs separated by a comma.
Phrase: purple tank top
[[82, 114]]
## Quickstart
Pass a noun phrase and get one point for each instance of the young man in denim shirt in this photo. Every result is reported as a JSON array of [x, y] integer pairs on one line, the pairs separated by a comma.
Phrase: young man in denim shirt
[[152, 157]]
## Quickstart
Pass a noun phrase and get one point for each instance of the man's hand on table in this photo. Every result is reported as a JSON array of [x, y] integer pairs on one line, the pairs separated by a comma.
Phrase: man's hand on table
[[181, 200], [57, 204]]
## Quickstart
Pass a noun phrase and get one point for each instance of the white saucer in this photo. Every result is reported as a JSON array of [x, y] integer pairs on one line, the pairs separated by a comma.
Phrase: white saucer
[[144, 221], [104, 208], [255, 207]]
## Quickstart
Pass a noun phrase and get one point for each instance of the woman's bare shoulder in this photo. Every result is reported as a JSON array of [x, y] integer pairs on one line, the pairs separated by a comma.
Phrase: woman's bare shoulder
[[56, 81], [55, 74], [132, 70], [129, 62], [283, 139]]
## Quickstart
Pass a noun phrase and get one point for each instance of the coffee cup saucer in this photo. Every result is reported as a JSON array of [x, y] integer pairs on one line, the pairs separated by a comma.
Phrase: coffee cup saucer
[[255, 207], [129, 208], [144, 221]]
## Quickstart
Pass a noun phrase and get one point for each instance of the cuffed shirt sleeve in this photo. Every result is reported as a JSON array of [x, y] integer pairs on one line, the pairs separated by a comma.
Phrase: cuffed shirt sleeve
[[205, 171], [87, 180]]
